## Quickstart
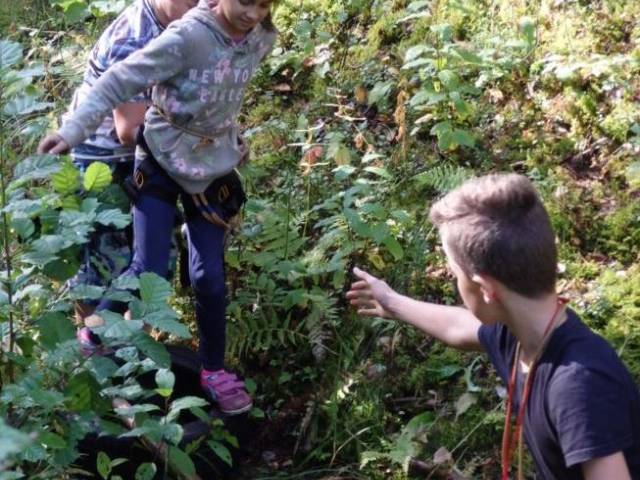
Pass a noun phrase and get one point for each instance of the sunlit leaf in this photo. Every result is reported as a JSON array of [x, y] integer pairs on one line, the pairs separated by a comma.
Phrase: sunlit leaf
[[164, 321], [165, 379], [66, 180], [464, 402], [468, 56], [86, 292], [10, 53], [23, 105], [394, 247], [416, 51], [97, 177], [12, 441], [463, 137], [380, 91], [146, 471], [131, 410], [23, 227], [154, 290], [379, 171], [103, 465], [36, 167], [113, 217], [184, 403], [75, 10]]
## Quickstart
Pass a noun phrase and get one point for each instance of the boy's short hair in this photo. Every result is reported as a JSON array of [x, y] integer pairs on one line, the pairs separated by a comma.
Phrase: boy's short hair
[[497, 225]]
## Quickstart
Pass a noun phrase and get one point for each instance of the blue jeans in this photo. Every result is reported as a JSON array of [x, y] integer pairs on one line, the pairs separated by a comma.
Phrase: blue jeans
[[153, 221]]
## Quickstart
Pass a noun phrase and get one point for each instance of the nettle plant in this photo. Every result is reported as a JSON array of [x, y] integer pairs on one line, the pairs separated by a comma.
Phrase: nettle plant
[[51, 396], [452, 76]]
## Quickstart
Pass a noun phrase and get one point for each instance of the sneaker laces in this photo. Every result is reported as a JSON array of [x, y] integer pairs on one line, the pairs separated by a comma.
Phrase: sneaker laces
[[222, 382]]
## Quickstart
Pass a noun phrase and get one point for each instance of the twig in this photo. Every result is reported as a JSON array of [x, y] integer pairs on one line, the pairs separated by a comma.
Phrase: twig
[[478, 425], [352, 437], [7, 253], [349, 118]]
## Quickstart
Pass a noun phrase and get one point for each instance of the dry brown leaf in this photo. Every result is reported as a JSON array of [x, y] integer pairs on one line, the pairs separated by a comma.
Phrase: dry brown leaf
[[399, 115], [310, 158], [361, 94], [282, 87], [495, 95]]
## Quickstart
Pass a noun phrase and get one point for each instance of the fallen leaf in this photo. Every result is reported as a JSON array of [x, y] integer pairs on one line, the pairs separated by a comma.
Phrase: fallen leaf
[[464, 402], [282, 87], [310, 158], [361, 95], [495, 95], [441, 456]]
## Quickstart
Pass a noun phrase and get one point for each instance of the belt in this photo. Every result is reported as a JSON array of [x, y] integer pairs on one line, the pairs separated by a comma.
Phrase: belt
[[205, 138]]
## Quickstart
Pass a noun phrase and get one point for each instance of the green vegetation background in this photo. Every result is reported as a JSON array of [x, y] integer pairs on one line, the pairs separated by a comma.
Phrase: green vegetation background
[[366, 112]]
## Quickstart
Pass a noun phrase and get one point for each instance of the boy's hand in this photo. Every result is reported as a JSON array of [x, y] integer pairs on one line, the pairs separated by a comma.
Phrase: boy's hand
[[53, 144], [455, 326], [370, 295]]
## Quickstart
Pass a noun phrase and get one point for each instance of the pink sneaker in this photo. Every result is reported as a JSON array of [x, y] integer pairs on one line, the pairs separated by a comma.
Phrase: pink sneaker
[[90, 343], [226, 390]]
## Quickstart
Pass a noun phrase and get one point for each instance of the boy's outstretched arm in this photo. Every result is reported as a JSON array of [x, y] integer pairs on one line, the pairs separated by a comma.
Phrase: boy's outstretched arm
[[455, 326]]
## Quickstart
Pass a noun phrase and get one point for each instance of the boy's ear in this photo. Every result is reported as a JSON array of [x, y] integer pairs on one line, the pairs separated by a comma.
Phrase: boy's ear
[[488, 287]]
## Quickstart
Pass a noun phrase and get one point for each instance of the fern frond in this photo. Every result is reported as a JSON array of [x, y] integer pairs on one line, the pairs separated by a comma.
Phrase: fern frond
[[323, 315], [443, 178]]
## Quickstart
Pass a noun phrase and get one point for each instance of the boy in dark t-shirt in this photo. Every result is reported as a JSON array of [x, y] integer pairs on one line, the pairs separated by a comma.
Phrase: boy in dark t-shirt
[[569, 395]]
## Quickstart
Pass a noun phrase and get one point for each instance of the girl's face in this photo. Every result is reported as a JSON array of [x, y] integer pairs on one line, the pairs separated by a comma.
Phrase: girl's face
[[240, 16]]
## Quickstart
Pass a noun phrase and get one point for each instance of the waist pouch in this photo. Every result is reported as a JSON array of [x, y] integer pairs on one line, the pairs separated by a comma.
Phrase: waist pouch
[[225, 192]]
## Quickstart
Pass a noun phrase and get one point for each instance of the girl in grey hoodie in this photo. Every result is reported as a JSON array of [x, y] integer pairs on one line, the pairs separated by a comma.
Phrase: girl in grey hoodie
[[199, 68]]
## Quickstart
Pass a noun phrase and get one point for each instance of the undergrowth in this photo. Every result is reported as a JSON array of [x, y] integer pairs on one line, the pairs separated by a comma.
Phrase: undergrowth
[[367, 111]]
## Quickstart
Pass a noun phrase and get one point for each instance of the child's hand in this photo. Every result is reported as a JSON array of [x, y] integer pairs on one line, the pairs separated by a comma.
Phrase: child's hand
[[53, 144], [370, 294]]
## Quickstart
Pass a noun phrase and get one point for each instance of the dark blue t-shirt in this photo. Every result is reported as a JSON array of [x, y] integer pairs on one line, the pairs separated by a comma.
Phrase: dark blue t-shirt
[[583, 402]]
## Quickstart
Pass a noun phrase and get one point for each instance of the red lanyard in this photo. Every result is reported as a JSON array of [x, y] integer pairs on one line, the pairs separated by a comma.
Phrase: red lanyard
[[509, 438]]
